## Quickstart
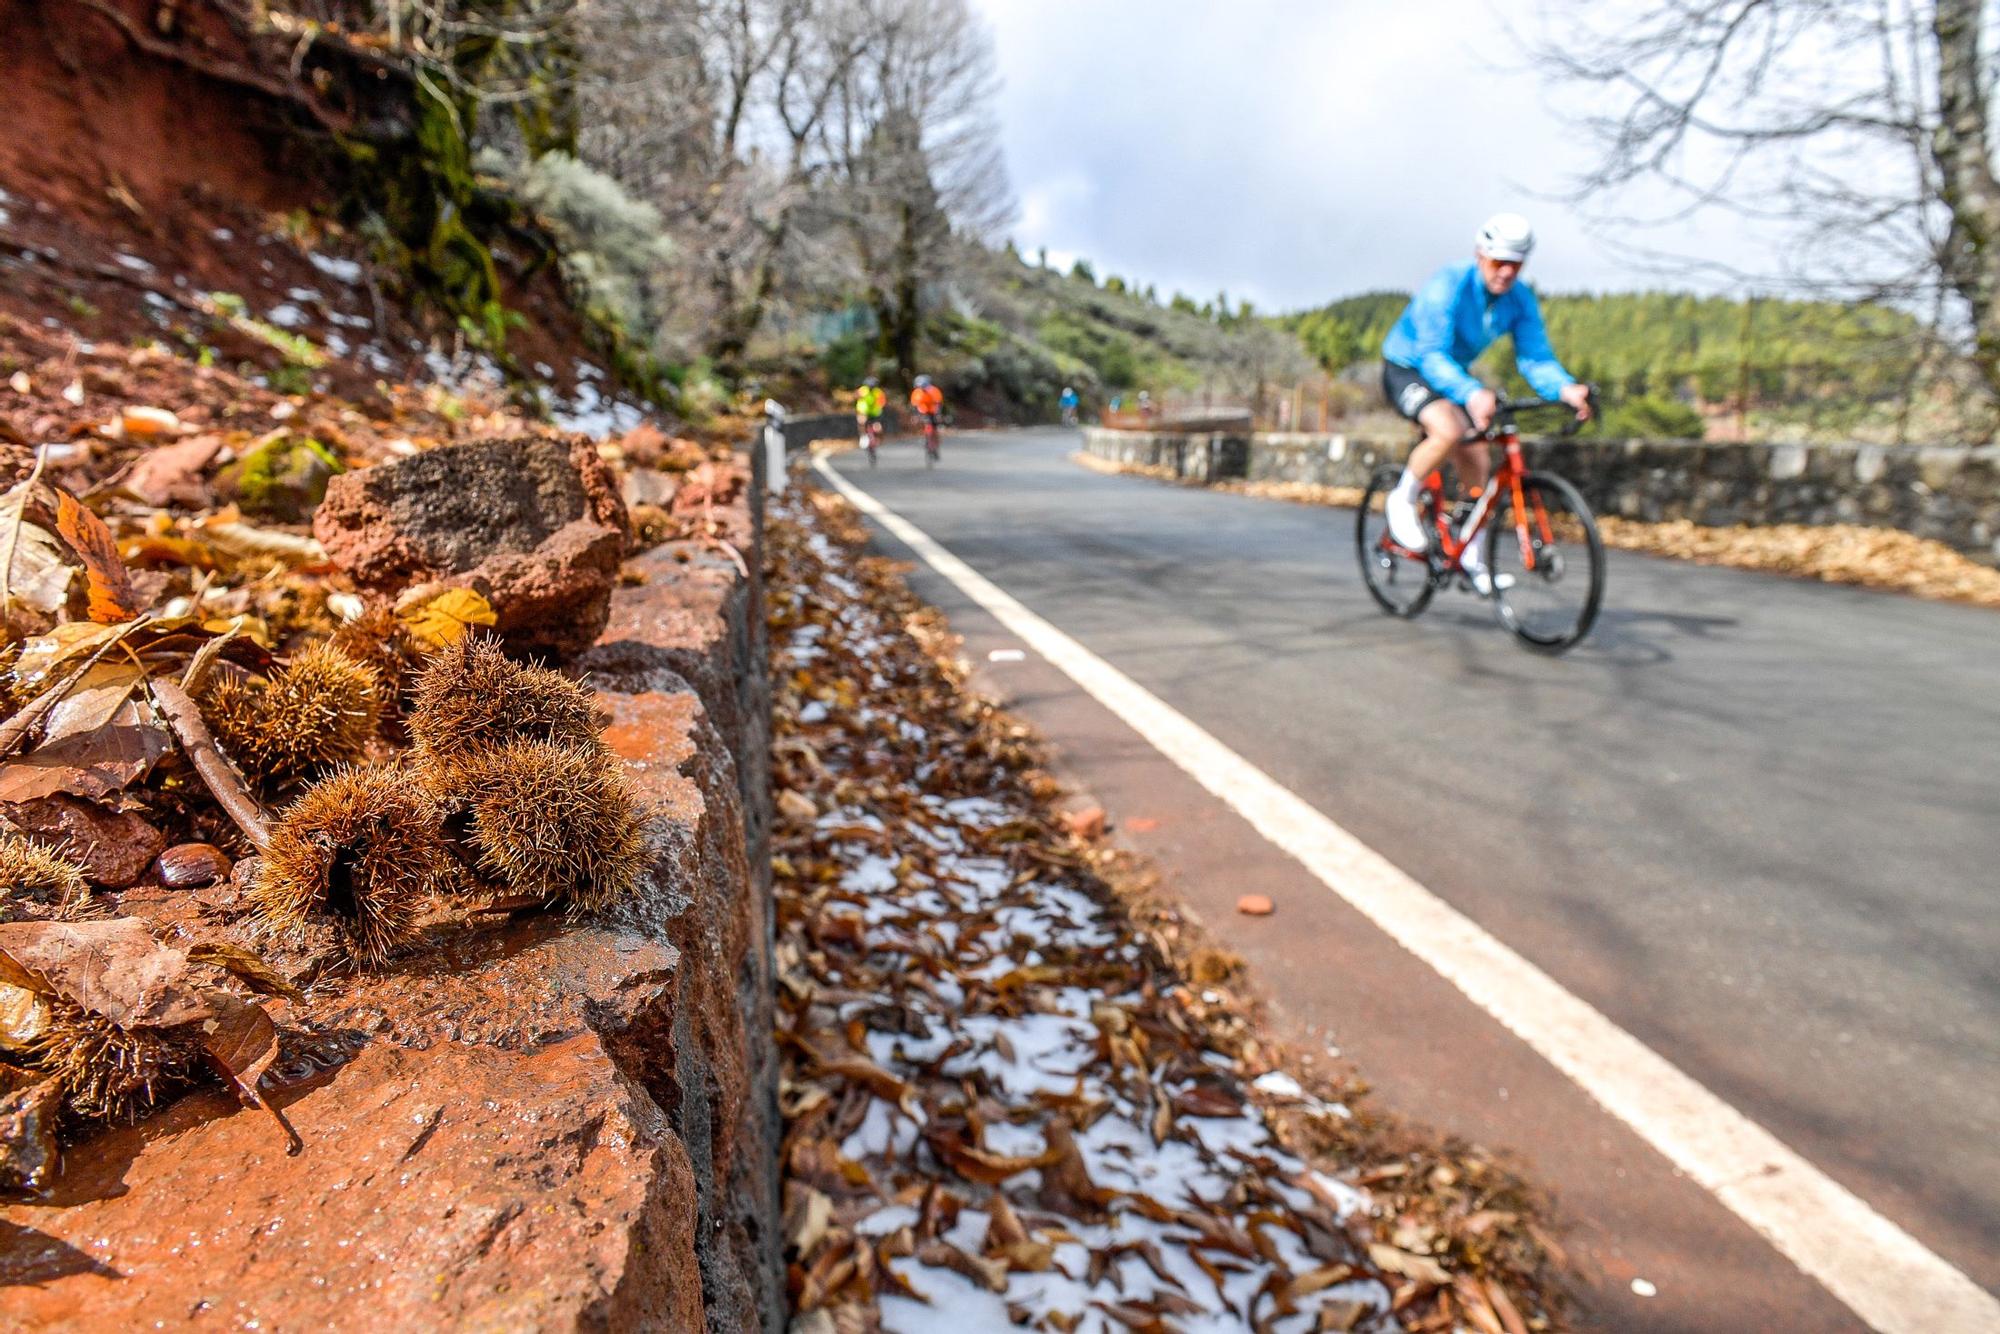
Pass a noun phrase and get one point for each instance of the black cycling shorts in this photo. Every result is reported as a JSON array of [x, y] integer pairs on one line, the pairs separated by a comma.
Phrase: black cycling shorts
[[1408, 392]]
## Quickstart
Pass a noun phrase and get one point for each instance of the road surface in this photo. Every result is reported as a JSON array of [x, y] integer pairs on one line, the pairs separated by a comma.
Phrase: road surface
[[1754, 821]]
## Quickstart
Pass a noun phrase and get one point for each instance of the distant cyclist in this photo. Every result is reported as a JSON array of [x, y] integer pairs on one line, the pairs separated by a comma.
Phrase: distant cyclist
[[1457, 315], [1069, 402], [927, 400], [869, 400]]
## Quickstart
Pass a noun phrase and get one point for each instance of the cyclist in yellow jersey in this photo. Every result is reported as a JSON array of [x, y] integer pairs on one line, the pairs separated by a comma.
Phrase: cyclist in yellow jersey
[[869, 400]]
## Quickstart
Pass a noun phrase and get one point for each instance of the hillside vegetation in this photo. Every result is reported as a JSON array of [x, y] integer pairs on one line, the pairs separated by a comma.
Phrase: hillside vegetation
[[1673, 363], [1007, 335]]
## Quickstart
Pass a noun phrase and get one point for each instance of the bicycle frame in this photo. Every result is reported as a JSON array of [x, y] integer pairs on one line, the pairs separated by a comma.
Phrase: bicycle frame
[[1531, 517]]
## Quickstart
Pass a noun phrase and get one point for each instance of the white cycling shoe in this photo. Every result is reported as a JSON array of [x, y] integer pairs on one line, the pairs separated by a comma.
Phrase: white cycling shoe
[[1406, 527], [1484, 582]]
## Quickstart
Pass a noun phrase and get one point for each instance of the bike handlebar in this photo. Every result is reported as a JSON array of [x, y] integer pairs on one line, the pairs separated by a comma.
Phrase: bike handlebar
[[1507, 407]]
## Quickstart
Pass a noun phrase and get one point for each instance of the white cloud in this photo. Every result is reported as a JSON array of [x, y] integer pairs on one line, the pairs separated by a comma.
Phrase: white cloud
[[1287, 150]]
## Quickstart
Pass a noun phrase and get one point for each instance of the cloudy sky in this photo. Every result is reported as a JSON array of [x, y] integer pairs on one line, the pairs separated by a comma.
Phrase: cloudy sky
[[1285, 150]]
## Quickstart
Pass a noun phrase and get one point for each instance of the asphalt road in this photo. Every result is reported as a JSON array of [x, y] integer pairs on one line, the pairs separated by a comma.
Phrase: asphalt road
[[1754, 821]]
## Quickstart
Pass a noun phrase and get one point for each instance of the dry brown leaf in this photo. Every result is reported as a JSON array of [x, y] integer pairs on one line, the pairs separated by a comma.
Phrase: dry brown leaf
[[226, 532], [95, 764], [796, 807], [72, 639], [1003, 1226], [94, 700], [1206, 1100], [245, 966], [1396, 1260], [1315, 1280], [112, 968], [175, 473], [112, 598], [145, 423], [988, 1274], [442, 621], [977, 1164], [1066, 1185], [808, 1214], [25, 1015], [39, 577]]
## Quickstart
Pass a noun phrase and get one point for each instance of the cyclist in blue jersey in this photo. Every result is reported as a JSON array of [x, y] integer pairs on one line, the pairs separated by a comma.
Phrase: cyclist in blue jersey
[[1457, 315]]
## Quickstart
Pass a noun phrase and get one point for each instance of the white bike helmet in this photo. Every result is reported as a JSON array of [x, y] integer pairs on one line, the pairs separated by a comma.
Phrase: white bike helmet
[[1505, 236], [923, 382]]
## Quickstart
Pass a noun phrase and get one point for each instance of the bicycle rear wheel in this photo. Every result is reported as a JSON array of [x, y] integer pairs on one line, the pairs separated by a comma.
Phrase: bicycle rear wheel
[[1400, 584], [1555, 559]]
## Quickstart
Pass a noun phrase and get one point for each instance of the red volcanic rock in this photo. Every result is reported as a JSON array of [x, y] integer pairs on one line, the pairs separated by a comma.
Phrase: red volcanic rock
[[113, 848], [534, 525], [457, 1187], [1087, 823], [716, 482]]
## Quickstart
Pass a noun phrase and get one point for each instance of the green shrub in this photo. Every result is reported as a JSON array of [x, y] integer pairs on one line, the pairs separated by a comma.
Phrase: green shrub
[[1650, 417], [614, 246]]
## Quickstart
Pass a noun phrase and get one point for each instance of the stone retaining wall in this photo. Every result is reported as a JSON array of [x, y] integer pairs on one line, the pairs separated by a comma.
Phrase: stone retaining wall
[[1950, 494], [542, 1125]]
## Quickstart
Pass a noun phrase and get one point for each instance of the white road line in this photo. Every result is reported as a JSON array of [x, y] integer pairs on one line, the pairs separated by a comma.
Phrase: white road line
[[1884, 1275]]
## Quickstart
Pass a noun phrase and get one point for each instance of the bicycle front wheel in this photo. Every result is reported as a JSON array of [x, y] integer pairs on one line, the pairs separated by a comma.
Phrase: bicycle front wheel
[[1401, 584], [1547, 561]]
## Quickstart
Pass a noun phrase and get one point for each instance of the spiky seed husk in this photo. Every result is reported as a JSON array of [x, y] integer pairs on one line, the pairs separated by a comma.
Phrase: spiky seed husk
[[362, 850], [376, 639], [558, 822], [318, 711], [36, 883], [472, 697], [112, 1073]]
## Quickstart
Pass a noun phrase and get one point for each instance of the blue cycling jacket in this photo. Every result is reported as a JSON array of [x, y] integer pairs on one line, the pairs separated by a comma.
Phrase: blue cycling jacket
[[1453, 319]]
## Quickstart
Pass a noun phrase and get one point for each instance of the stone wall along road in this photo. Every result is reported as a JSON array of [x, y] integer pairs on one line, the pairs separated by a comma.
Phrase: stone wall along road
[[1949, 494]]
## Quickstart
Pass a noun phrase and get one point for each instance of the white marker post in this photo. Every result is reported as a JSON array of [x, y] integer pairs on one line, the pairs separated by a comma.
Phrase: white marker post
[[775, 476]]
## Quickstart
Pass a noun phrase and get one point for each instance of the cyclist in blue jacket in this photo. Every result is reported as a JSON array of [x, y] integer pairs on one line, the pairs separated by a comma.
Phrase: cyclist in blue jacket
[[1457, 315]]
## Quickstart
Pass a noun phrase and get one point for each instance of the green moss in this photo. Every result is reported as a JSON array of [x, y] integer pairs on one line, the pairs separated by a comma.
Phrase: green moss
[[429, 209], [283, 479]]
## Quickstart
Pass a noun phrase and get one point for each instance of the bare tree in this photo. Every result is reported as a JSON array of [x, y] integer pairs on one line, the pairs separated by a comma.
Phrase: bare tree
[[790, 147], [914, 166], [784, 70], [1859, 131]]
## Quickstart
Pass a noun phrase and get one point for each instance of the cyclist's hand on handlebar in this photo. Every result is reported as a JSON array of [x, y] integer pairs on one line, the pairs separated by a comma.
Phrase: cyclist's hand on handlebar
[[1481, 407], [1578, 396]]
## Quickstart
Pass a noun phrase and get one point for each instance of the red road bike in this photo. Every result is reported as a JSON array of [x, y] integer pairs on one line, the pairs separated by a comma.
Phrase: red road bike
[[1542, 546], [930, 439], [871, 438]]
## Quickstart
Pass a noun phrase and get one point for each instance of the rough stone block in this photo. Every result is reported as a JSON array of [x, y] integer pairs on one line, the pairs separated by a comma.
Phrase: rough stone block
[[535, 525]]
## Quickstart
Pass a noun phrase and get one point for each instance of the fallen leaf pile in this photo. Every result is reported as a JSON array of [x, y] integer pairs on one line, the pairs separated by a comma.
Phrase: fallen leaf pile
[[1841, 553], [1838, 553], [1016, 1094]]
